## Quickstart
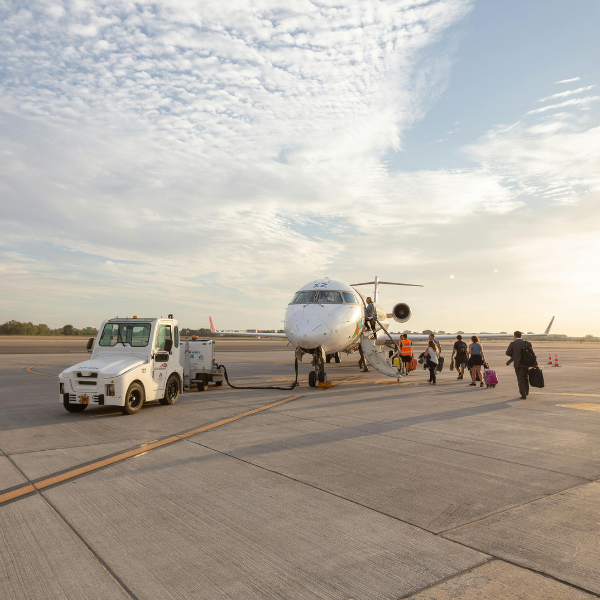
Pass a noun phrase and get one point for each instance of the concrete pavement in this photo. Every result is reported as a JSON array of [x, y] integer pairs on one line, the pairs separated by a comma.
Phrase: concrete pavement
[[364, 490]]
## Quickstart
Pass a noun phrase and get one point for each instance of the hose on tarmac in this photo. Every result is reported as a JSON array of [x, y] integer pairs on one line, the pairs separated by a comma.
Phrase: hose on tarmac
[[259, 387]]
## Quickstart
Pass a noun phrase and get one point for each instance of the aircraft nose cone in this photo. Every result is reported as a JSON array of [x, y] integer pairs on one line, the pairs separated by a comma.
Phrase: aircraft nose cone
[[308, 333]]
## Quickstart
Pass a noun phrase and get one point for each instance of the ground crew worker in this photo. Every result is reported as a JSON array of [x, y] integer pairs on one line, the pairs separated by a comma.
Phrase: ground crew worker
[[370, 315], [406, 352]]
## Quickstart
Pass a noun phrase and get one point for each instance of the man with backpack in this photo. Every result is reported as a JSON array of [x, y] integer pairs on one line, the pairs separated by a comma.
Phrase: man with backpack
[[460, 350], [522, 354]]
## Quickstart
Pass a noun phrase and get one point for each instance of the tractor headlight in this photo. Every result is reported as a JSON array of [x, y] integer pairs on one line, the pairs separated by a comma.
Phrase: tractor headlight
[[110, 389]]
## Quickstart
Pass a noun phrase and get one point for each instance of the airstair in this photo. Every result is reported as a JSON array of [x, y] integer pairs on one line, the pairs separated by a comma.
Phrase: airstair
[[378, 356]]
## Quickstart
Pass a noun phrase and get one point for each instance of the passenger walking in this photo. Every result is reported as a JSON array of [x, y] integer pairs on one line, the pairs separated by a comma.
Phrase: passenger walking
[[431, 358], [515, 351], [370, 315], [459, 355], [406, 352], [438, 347], [476, 359]]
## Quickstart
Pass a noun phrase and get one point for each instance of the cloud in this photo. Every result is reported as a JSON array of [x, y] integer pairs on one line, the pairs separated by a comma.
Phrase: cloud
[[568, 80], [574, 102], [214, 156], [568, 93]]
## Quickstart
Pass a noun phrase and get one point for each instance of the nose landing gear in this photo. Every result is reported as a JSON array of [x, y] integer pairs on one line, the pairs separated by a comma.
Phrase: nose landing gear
[[318, 375]]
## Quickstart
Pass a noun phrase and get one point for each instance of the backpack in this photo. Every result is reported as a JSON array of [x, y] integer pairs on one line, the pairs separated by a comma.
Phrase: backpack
[[528, 357], [462, 349]]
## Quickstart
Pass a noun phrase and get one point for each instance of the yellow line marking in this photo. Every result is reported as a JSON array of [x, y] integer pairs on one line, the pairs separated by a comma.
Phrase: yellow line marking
[[595, 407], [16, 493], [564, 394], [396, 382], [344, 380], [44, 483], [36, 373]]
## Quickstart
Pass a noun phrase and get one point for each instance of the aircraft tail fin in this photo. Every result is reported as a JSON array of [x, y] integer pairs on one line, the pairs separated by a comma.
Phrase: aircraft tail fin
[[549, 326], [212, 325]]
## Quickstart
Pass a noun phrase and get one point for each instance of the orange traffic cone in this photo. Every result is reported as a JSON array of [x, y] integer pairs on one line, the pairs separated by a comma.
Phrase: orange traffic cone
[[556, 360], [549, 358]]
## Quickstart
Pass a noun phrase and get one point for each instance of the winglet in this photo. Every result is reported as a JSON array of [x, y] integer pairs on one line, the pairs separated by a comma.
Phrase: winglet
[[549, 326], [213, 330]]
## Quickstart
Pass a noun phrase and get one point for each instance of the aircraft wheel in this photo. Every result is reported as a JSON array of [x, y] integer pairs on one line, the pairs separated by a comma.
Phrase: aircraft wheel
[[338, 358], [322, 377], [312, 379], [74, 408], [171, 391], [134, 399], [328, 358], [202, 384]]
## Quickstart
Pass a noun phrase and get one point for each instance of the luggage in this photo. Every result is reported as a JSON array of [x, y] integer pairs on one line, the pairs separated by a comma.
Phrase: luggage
[[412, 365], [490, 378], [536, 377], [396, 363], [440, 364], [452, 365]]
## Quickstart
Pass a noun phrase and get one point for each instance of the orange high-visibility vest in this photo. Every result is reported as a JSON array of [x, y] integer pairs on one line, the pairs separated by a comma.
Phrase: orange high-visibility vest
[[405, 348]]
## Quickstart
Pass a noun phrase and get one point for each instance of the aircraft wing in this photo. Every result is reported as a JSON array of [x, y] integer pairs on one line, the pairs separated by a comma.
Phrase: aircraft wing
[[466, 336], [279, 336]]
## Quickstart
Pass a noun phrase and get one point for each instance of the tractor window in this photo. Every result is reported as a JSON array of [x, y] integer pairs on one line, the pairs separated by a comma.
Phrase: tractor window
[[109, 335], [304, 297], [327, 297], [163, 334], [134, 334], [176, 343]]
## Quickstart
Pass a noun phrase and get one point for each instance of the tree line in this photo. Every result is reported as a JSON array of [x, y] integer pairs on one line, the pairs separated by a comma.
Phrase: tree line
[[18, 328]]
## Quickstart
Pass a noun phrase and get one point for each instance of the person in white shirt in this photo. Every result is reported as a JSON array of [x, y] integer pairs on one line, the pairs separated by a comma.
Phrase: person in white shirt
[[431, 356]]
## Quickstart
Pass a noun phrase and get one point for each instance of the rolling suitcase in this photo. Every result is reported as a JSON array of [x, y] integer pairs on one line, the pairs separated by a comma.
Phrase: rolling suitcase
[[490, 378], [536, 377], [412, 365]]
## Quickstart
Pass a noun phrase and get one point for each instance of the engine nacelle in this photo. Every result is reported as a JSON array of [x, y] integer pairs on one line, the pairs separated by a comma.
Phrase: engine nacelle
[[401, 312]]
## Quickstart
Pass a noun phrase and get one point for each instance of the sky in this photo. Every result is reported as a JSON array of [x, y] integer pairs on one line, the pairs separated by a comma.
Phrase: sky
[[210, 158]]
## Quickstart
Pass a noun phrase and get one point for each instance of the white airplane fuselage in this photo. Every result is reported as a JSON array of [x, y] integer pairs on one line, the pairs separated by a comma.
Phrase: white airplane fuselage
[[327, 314]]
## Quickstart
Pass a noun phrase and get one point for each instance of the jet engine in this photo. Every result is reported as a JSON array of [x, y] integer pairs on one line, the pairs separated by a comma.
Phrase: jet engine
[[401, 312]]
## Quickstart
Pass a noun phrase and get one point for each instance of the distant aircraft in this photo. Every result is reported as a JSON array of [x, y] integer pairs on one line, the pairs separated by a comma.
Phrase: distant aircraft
[[327, 317]]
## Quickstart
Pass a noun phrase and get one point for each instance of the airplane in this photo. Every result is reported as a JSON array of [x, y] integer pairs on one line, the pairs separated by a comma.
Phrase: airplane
[[327, 317]]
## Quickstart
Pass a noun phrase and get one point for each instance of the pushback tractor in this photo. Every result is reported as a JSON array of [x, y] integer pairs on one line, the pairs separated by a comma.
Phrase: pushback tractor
[[133, 361]]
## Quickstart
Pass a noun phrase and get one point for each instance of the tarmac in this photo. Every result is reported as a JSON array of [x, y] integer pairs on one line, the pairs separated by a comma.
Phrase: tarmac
[[372, 489]]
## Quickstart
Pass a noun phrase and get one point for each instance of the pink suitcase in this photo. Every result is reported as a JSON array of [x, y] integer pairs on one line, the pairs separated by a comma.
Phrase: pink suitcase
[[490, 378]]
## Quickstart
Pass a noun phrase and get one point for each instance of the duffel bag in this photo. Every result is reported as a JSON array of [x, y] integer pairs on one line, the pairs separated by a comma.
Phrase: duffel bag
[[536, 377]]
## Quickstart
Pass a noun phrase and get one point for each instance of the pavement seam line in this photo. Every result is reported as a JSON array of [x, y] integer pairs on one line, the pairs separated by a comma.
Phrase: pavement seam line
[[511, 462], [591, 481], [490, 557], [98, 464], [101, 562], [316, 487], [449, 578], [532, 570]]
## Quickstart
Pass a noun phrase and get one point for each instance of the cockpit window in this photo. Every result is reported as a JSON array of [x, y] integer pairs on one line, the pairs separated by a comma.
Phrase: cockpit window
[[327, 297], [350, 298], [304, 297]]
